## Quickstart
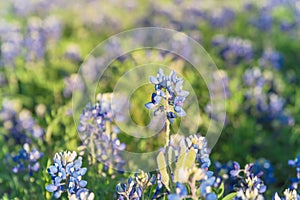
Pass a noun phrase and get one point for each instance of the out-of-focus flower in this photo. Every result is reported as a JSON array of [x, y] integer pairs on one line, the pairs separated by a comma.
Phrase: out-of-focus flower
[[98, 133], [35, 40], [19, 123], [52, 28], [26, 160], [271, 58], [262, 100], [66, 174], [73, 82], [295, 163], [222, 17], [11, 43], [233, 50], [73, 53]]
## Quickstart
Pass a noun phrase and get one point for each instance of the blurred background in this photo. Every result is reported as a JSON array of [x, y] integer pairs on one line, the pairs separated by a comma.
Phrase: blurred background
[[43, 43]]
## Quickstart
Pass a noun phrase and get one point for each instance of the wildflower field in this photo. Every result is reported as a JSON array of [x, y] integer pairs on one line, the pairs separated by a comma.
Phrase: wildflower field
[[140, 100]]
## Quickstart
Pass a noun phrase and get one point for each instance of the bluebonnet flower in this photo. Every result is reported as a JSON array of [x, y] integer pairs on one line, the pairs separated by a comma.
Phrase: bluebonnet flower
[[181, 192], [233, 50], [263, 21], [288, 195], [82, 194], [262, 99], [52, 28], [271, 58], [73, 53], [295, 163], [169, 96], [135, 187], [19, 123], [26, 160], [73, 82], [219, 86], [223, 174], [11, 43], [35, 40], [98, 133], [222, 17], [250, 186], [198, 178], [66, 174], [199, 144], [264, 168]]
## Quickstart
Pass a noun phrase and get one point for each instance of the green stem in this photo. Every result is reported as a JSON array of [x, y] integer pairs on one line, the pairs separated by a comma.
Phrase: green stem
[[168, 124]]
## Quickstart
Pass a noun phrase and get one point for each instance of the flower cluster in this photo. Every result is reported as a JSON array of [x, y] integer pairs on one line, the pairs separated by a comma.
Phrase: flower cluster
[[227, 173], [19, 123], [66, 174], [250, 185], [262, 100], [168, 96], [288, 195], [135, 187], [100, 135], [271, 58], [233, 50], [191, 168], [11, 43], [295, 163], [26, 160]]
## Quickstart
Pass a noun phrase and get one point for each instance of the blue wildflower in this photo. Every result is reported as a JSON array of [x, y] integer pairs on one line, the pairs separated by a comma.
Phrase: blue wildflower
[[288, 195], [272, 58], [19, 123], [295, 163], [98, 133], [66, 174], [26, 160], [181, 192], [233, 50], [169, 96], [135, 187]]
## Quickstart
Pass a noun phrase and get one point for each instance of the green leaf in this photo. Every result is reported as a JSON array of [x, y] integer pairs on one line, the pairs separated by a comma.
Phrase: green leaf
[[230, 196], [190, 159], [162, 166], [221, 191]]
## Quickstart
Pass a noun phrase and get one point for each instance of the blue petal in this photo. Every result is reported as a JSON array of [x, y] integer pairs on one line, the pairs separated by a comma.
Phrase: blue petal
[[153, 80], [82, 183], [173, 197], [51, 188], [211, 196], [149, 105], [52, 170]]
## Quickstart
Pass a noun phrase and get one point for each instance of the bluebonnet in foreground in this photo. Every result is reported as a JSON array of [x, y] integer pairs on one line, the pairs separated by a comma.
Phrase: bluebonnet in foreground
[[191, 168], [250, 186], [99, 134], [168, 96], [66, 174], [26, 160], [288, 195], [136, 186]]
